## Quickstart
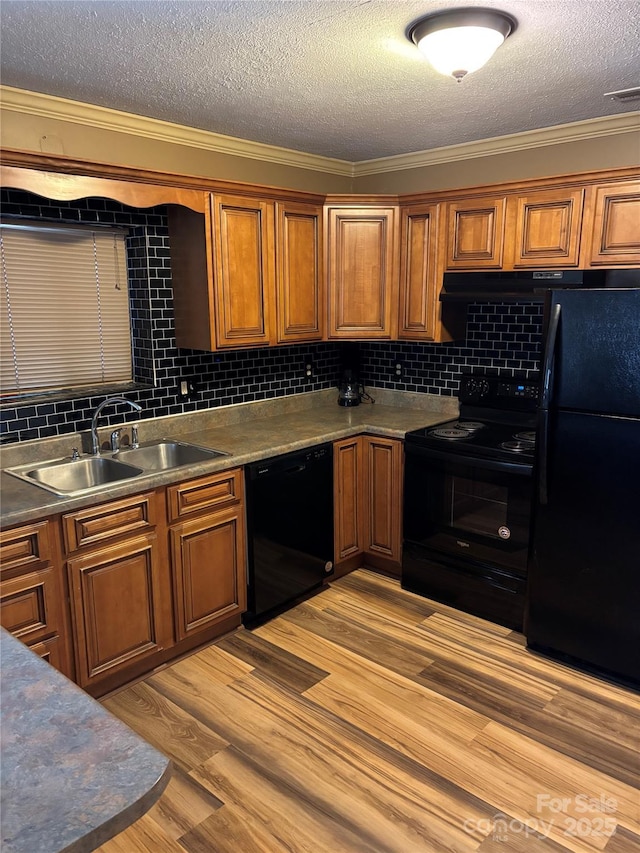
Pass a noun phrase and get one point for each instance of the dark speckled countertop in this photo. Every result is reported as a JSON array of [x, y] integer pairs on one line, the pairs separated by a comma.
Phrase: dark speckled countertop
[[72, 775], [247, 432]]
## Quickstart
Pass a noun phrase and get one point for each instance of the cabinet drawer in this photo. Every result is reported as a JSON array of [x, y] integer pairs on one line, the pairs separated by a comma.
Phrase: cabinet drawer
[[28, 606], [95, 525], [50, 650], [217, 491], [26, 548]]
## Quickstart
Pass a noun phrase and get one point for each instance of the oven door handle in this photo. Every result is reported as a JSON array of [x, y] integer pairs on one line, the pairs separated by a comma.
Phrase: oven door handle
[[453, 458], [547, 382]]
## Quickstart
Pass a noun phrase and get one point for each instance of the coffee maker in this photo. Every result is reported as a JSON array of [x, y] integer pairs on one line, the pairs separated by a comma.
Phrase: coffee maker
[[349, 389]]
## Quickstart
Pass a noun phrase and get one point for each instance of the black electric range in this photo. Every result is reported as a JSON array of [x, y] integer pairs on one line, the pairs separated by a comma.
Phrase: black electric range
[[497, 421], [467, 500]]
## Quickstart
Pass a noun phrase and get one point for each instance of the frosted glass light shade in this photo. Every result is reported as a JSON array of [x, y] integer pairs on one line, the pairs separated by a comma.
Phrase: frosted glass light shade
[[460, 51], [459, 41]]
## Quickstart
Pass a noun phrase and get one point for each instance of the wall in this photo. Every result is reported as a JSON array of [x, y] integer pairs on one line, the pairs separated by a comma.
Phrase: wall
[[143, 148], [581, 155], [498, 337], [42, 123]]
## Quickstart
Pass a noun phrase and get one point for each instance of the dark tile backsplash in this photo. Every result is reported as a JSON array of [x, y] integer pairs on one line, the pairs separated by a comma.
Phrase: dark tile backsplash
[[499, 337]]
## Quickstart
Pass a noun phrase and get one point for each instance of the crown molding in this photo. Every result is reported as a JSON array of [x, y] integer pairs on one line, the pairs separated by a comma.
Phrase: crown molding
[[90, 115], [589, 129]]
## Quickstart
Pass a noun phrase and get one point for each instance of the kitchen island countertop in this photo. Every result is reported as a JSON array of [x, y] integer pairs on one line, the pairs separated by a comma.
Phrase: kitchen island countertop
[[72, 775]]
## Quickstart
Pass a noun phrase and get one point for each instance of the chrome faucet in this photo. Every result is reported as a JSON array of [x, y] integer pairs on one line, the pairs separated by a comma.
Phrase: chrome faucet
[[110, 401]]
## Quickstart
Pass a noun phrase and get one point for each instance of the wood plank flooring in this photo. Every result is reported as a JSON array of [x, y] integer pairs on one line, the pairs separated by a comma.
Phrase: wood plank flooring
[[371, 720]]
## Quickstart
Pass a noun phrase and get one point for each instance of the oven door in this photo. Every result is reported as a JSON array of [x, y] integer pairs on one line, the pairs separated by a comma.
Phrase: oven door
[[471, 509]]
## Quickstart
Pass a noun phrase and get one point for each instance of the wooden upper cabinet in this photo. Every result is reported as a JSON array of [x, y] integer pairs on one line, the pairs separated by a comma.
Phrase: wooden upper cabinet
[[244, 271], [543, 229], [300, 282], [475, 233], [614, 215], [247, 273], [362, 266], [418, 271]]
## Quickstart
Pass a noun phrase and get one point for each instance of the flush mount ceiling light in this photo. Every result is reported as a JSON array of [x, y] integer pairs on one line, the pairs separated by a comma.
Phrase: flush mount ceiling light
[[459, 41]]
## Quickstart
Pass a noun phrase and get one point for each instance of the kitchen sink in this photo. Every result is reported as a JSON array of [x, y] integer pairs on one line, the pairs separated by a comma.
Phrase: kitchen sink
[[76, 476], [71, 477], [165, 454]]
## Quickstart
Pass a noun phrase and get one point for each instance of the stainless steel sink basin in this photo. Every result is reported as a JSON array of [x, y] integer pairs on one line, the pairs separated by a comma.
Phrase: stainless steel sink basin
[[71, 477], [165, 454], [77, 476]]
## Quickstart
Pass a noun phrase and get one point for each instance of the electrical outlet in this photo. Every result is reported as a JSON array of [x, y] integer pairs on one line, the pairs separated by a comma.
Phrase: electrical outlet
[[187, 389], [308, 367], [398, 368]]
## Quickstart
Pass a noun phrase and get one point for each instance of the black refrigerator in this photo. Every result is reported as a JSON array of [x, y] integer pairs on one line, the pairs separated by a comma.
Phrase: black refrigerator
[[583, 597]]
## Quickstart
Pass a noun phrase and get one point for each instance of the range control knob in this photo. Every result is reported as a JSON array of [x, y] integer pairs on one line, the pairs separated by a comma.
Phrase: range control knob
[[477, 386]]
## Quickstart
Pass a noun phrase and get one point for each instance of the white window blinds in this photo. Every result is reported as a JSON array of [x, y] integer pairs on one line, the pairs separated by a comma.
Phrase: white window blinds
[[64, 307]]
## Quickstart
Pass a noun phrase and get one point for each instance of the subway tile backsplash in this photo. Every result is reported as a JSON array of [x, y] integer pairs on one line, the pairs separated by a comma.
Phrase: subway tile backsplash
[[499, 337]]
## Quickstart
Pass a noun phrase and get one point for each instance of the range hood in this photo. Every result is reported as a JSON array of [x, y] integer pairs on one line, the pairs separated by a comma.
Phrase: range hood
[[528, 285]]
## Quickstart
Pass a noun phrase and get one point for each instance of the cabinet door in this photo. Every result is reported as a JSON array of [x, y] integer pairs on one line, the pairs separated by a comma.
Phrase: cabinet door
[[383, 488], [418, 270], [362, 253], [300, 290], [544, 228], [347, 500], [475, 233], [244, 271], [209, 570], [615, 213], [121, 607]]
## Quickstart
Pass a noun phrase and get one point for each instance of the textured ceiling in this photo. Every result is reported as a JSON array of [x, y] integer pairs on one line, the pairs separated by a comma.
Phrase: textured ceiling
[[334, 78]]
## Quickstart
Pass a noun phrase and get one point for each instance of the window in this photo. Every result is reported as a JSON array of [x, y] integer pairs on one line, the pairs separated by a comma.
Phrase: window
[[64, 308]]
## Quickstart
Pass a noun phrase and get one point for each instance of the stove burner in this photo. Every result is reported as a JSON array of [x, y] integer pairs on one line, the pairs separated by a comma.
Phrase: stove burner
[[450, 433], [469, 426], [518, 446], [526, 436]]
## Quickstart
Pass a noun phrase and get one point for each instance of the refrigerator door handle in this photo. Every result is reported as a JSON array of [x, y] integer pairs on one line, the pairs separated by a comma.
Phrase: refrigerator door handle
[[543, 441], [547, 377], [549, 356]]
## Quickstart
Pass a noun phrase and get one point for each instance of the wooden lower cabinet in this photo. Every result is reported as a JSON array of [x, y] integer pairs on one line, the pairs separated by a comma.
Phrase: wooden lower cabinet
[[33, 592], [154, 574], [368, 474], [382, 472], [120, 606], [208, 567], [348, 502], [207, 551]]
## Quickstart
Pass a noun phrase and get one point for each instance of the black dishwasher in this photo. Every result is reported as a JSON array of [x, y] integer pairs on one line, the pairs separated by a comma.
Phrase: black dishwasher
[[290, 529]]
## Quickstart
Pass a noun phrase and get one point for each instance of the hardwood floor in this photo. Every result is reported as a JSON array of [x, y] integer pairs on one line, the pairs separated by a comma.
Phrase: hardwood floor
[[371, 720]]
